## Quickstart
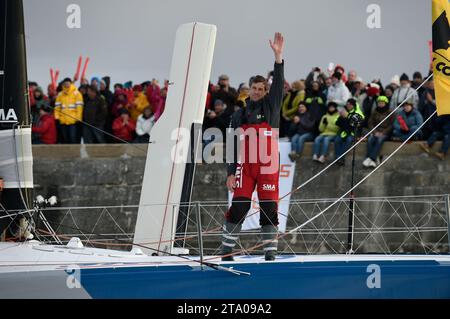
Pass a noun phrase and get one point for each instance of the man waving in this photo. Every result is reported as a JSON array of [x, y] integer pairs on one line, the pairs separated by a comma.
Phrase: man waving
[[257, 164]]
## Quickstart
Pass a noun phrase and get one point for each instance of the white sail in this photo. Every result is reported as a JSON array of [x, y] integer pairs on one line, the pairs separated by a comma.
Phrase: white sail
[[185, 105]]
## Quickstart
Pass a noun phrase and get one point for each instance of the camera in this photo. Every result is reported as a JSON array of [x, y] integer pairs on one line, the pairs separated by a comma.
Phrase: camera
[[356, 120]]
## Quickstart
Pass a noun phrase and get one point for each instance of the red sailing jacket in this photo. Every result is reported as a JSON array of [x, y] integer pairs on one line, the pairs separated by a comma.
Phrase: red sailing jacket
[[46, 128]]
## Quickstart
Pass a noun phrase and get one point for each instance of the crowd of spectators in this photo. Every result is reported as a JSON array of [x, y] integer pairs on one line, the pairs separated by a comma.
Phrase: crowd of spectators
[[324, 108], [92, 113], [339, 107]]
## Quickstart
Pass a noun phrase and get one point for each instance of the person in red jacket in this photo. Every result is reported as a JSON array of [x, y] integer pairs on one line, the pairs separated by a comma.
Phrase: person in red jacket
[[123, 126], [46, 127]]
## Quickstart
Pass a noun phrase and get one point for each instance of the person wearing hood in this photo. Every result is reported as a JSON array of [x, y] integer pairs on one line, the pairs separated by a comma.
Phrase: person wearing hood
[[95, 81], [94, 114], [301, 130], [328, 130], [120, 102], [124, 127], [39, 100], [405, 91], [338, 92], [407, 122], [144, 126], [106, 92], [138, 103], [349, 121], [382, 132], [243, 92], [291, 101], [153, 94], [45, 129], [109, 98], [69, 111]]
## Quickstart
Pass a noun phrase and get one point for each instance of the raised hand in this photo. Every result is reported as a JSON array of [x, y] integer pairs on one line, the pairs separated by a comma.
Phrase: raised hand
[[277, 46]]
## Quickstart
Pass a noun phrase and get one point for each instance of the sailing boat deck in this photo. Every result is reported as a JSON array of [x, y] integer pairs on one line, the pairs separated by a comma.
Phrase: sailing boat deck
[[54, 271]]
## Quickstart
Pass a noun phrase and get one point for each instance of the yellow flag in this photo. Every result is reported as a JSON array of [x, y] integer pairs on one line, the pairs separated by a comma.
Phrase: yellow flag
[[441, 55]]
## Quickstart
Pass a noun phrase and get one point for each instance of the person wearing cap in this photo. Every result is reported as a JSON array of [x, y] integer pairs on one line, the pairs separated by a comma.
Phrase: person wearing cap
[[406, 122], [416, 82], [69, 111], [45, 129], [369, 103], [405, 91], [389, 92], [338, 92], [124, 126], [395, 82], [328, 131], [226, 93], [347, 128], [381, 133]]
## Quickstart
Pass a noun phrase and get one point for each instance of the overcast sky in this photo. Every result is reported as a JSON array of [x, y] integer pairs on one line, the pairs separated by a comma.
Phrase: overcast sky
[[134, 39]]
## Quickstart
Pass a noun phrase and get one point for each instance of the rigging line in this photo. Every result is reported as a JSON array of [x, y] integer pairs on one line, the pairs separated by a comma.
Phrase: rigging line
[[100, 130], [392, 199], [343, 196], [211, 231], [358, 142]]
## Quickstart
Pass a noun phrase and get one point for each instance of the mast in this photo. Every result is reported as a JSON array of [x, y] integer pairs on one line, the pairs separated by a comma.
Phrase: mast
[[15, 121]]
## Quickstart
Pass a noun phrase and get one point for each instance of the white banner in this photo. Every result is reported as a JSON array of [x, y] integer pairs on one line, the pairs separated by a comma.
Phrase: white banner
[[287, 169]]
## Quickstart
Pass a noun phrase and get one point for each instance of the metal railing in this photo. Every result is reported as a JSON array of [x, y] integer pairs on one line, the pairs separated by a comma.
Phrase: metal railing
[[385, 225]]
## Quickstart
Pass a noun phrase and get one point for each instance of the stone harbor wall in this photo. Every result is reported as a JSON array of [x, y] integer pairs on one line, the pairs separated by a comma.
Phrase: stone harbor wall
[[111, 175]]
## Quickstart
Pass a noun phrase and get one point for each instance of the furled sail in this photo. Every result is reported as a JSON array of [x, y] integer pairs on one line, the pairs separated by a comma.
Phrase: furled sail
[[163, 179]]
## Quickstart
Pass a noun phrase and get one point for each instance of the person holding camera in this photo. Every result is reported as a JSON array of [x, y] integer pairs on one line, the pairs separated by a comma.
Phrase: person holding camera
[[381, 133], [349, 122], [227, 94]]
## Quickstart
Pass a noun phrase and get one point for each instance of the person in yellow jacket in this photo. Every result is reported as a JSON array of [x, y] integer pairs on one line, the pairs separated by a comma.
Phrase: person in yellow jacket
[[69, 111], [328, 131], [139, 102], [292, 100]]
